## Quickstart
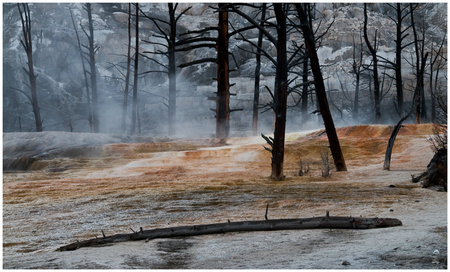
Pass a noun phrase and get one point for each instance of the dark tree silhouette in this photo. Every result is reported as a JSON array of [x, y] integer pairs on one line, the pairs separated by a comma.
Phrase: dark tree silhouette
[[92, 48], [376, 80], [396, 65], [310, 42], [168, 31], [127, 75], [220, 43], [25, 17], [258, 72], [134, 109], [421, 59], [86, 80]]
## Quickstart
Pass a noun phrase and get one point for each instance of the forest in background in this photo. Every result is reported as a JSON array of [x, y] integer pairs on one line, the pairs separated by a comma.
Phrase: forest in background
[[347, 65]]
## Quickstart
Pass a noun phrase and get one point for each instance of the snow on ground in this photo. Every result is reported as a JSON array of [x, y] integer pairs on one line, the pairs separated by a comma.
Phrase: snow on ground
[[185, 182]]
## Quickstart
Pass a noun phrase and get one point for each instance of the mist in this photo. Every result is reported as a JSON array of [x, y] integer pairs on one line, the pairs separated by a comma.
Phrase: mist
[[62, 96]]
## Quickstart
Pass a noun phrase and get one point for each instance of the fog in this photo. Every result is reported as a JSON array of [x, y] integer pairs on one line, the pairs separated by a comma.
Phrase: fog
[[62, 95]]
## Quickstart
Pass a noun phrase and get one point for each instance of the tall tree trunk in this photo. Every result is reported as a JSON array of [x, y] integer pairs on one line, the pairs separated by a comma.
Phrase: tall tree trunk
[[223, 83], [376, 82], [280, 95], [93, 71], [28, 46], [258, 72], [305, 87], [398, 61], [172, 71], [135, 76], [335, 147], [127, 76], [86, 83]]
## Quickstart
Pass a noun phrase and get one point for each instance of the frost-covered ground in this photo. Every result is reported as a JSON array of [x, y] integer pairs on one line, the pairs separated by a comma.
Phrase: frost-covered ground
[[75, 195]]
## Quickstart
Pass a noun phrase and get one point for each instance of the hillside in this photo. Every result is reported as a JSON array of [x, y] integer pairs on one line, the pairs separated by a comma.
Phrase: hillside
[[61, 82], [185, 182]]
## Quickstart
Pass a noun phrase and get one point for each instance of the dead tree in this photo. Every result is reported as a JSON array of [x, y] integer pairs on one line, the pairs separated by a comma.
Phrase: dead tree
[[127, 75], [134, 109], [436, 64], [25, 17], [222, 98], [258, 71], [328, 222], [333, 139], [357, 69], [421, 59], [86, 83], [376, 82], [168, 31], [92, 48], [387, 157], [396, 65]]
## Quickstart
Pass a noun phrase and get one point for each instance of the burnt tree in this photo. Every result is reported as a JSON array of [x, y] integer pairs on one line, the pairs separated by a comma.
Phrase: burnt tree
[[86, 80], [167, 30], [396, 65], [421, 59], [25, 17], [258, 71], [376, 81], [126, 91], [134, 108], [92, 49], [220, 43], [357, 69], [308, 35], [436, 64], [327, 221], [280, 94]]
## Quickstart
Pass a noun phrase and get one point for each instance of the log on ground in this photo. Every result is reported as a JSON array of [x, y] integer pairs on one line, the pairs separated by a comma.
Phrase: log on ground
[[331, 222]]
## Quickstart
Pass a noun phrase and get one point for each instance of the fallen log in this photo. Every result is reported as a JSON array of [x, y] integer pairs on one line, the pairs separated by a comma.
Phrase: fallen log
[[330, 222]]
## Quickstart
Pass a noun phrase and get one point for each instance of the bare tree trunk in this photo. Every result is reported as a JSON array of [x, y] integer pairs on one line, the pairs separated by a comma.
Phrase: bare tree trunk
[[305, 87], [127, 76], [172, 71], [387, 157], [280, 95], [335, 147], [135, 76], [28, 46], [93, 70], [376, 82], [398, 60], [257, 73], [86, 83], [223, 83]]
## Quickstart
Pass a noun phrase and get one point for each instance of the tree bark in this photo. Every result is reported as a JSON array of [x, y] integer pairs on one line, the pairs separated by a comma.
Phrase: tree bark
[[335, 147], [86, 83], [329, 222], [398, 60], [223, 81], [257, 73], [376, 82], [172, 71], [387, 157], [93, 71], [280, 95], [127, 76], [28, 46], [135, 76]]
